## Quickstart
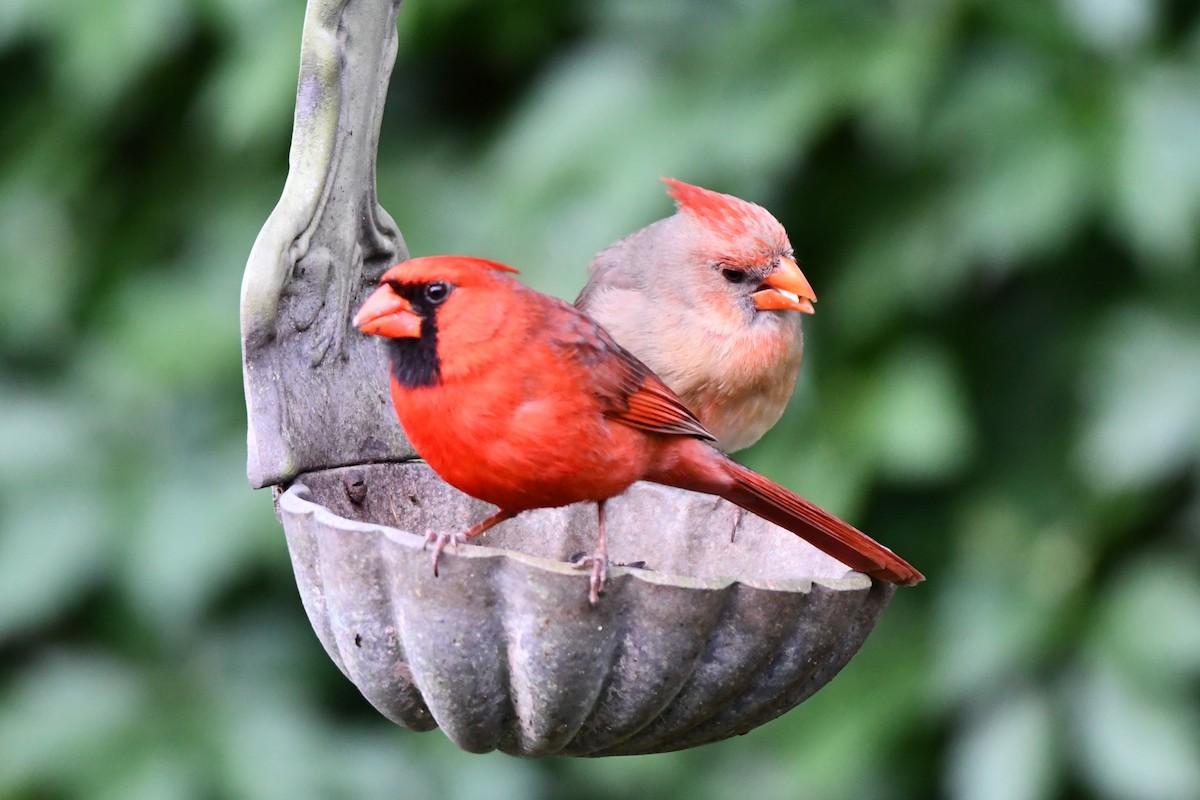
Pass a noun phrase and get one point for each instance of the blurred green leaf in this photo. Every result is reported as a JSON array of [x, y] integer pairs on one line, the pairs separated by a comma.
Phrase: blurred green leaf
[[251, 96], [103, 48], [1130, 744], [157, 776], [1148, 620], [64, 716], [1006, 752], [1004, 604], [1117, 25], [1158, 170], [1143, 393], [1033, 199], [918, 416], [153, 314], [1021, 158], [896, 86], [54, 547], [43, 434], [38, 287], [199, 531], [55, 527]]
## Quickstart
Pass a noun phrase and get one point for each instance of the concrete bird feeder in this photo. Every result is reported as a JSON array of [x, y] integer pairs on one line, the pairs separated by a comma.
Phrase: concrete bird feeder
[[721, 622]]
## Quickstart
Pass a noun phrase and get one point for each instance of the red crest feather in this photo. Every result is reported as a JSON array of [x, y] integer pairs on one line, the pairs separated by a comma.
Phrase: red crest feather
[[731, 216]]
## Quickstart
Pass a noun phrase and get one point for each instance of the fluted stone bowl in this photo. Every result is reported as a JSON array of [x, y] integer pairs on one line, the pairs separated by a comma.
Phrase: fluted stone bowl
[[732, 622]]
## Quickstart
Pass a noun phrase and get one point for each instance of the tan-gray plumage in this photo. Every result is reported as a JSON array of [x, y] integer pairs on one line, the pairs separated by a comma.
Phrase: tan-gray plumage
[[711, 299]]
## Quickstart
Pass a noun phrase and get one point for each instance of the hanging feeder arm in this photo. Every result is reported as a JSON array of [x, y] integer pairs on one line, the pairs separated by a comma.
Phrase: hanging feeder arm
[[731, 622]]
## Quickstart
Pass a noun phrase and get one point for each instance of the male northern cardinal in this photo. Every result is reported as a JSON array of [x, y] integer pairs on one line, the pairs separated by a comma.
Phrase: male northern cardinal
[[710, 298], [521, 400]]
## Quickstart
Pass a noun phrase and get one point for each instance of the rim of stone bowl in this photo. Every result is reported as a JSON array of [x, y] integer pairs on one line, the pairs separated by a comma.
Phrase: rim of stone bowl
[[299, 499]]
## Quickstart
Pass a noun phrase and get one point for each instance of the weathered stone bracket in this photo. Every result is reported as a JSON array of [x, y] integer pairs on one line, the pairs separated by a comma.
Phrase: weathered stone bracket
[[315, 390]]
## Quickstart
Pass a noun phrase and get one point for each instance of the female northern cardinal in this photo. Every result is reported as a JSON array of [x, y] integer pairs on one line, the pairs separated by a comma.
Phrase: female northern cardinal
[[521, 400], [710, 299]]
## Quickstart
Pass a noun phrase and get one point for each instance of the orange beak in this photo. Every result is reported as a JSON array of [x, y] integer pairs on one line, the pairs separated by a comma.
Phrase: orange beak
[[785, 289], [388, 314]]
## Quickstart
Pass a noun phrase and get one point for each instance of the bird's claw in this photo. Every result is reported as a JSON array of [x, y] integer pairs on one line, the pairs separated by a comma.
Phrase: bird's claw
[[599, 577], [440, 540]]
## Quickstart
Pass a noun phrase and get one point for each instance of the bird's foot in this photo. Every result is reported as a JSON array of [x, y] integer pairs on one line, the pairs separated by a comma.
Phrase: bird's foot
[[599, 565], [439, 541]]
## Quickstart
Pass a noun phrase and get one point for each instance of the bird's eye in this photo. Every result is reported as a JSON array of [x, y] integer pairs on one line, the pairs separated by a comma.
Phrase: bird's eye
[[437, 291], [733, 275]]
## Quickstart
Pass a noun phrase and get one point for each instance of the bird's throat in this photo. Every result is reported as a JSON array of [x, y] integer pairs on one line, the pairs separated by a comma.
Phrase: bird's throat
[[414, 362]]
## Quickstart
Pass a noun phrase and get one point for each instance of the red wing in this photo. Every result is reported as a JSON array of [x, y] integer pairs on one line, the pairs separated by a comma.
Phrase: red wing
[[654, 407], [628, 390]]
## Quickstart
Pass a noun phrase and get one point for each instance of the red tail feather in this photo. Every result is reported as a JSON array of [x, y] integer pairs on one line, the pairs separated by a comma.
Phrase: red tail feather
[[817, 526]]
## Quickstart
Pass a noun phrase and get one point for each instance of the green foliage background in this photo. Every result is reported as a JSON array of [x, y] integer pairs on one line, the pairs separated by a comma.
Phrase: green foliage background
[[998, 203]]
